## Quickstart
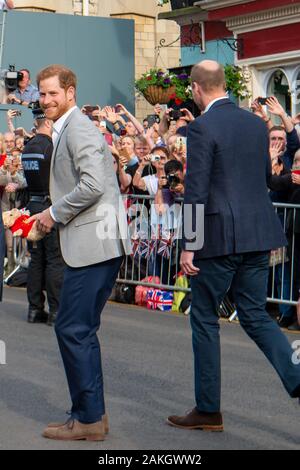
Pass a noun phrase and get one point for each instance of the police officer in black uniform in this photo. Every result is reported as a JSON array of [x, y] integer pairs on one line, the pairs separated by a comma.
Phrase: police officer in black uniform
[[46, 266]]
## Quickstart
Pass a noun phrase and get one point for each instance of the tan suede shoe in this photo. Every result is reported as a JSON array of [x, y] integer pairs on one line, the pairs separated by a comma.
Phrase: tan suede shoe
[[73, 430], [104, 420]]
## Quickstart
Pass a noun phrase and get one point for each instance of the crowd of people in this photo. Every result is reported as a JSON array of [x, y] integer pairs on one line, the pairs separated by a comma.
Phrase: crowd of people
[[150, 160]]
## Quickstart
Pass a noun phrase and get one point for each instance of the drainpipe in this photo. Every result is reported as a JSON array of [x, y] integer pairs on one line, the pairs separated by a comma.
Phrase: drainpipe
[[85, 7]]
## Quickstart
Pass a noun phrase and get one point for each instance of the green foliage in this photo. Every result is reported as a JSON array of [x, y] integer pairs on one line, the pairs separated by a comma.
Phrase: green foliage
[[236, 81]]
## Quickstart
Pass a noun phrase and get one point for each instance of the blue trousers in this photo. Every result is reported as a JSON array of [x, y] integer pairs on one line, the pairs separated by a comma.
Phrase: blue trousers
[[248, 276], [84, 293]]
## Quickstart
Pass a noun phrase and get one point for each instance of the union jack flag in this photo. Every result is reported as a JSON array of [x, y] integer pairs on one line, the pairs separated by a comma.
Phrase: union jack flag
[[165, 247], [159, 300], [152, 247], [135, 246], [144, 248]]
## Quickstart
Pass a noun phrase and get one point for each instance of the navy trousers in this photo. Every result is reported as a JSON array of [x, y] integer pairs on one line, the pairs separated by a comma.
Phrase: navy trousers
[[248, 276], [84, 293]]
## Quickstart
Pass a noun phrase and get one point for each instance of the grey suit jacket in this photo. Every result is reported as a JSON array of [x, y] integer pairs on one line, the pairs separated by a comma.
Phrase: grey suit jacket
[[86, 200]]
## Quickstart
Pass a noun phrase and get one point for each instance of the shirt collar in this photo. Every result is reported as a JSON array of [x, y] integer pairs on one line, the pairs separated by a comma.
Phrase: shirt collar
[[58, 125], [28, 88], [214, 101]]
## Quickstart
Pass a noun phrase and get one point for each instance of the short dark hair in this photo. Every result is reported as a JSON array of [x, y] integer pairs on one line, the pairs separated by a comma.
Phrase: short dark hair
[[25, 70], [40, 123], [277, 128], [162, 148], [172, 166]]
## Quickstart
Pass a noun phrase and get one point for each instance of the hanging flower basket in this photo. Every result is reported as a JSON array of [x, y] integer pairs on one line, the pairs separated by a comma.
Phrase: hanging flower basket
[[236, 81], [160, 87], [157, 94]]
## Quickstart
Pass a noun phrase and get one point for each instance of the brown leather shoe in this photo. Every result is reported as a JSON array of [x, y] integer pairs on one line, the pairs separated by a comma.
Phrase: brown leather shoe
[[197, 420], [73, 430], [104, 421]]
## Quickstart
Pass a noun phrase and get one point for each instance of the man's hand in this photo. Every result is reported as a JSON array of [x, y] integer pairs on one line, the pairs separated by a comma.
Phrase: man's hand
[[186, 263], [44, 221], [296, 119], [258, 109], [111, 115], [275, 150], [187, 115], [178, 189], [275, 107]]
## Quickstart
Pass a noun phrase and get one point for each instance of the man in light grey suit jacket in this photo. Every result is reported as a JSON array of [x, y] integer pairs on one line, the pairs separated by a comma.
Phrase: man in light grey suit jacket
[[87, 205]]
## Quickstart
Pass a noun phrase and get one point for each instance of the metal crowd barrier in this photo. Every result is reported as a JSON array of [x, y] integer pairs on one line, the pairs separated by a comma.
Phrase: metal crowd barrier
[[19, 251], [287, 289], [157, 248], [284, 276], [155, 256], [155, 241]]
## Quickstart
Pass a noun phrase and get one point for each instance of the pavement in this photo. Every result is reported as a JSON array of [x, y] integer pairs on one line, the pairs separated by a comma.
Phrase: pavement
[[148, 372]]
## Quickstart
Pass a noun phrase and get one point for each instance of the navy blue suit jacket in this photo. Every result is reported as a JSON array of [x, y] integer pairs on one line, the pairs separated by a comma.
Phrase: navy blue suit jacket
[[227, 170]]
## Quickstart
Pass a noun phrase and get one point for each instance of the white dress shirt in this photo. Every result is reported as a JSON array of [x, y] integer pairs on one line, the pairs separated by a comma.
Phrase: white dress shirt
[[214, 101], [59, 124], [57, 127]]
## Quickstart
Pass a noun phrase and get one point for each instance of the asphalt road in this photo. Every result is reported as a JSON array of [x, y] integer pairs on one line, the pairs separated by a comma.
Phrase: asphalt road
[[147, 360]]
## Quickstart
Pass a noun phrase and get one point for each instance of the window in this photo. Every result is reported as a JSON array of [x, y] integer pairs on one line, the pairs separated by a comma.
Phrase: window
[[279, 86]]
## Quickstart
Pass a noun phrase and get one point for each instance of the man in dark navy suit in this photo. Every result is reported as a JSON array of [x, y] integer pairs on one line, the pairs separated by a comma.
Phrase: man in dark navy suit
[[228, 168]]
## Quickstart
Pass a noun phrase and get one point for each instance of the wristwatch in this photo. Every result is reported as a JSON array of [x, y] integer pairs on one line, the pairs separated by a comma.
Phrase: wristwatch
[[21, 102]]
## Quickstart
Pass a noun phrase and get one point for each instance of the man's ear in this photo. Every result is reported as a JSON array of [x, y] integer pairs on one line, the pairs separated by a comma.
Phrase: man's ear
[[49, 123], [71, 93]]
